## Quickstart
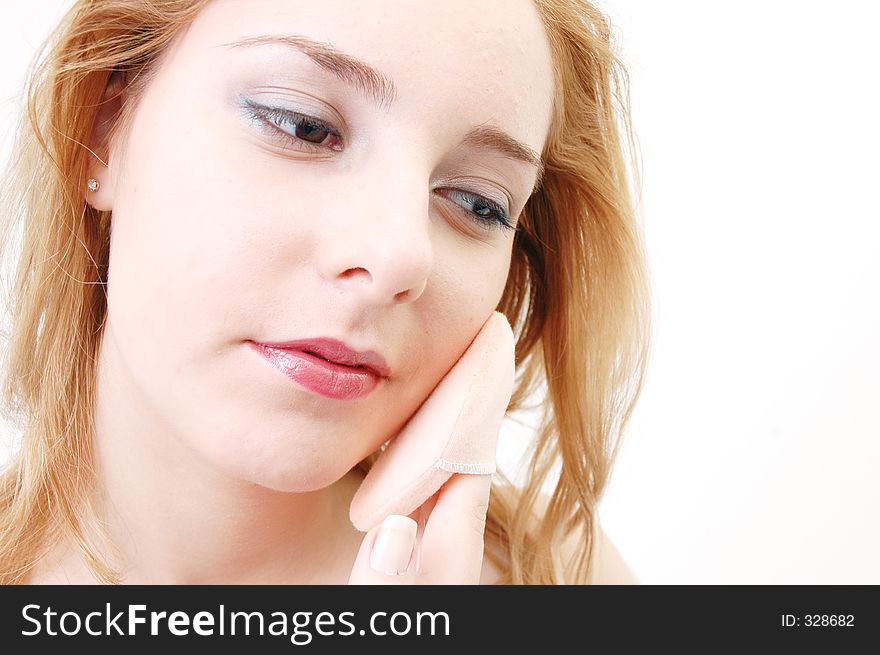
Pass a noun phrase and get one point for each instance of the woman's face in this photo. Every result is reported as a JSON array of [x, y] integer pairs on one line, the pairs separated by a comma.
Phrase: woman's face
[[373, 221]]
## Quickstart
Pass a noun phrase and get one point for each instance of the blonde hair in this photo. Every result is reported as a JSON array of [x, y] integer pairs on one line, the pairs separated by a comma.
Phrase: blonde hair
[[577, 292]]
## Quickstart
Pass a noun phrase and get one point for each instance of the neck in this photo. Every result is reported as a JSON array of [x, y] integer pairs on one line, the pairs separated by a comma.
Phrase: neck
[[179, 522]]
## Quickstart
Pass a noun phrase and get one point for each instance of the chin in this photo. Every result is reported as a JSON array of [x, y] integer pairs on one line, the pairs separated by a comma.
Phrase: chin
[[295, 476], [288, 458]]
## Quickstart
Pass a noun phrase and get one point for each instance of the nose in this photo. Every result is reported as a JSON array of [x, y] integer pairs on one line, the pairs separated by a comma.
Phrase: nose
[[377, 245]]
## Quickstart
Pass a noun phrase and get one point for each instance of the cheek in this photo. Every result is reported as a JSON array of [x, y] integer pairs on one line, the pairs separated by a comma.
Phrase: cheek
[[468, 281], [185, 260], [464, 293], [193, 234]]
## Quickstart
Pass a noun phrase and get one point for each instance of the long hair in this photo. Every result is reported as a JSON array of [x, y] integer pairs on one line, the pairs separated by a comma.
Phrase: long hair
[[576, 295]]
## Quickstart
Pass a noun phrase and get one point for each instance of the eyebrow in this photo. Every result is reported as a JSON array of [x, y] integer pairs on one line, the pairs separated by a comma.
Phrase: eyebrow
[[491, 137], [381, 90], [347, 68]]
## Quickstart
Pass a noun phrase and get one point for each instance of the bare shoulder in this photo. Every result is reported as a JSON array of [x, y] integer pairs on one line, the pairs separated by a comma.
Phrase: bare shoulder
[[608, 566], [490, 573]]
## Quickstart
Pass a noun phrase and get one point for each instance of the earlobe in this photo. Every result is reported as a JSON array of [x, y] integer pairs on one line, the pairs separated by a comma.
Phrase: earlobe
[[97, 192]]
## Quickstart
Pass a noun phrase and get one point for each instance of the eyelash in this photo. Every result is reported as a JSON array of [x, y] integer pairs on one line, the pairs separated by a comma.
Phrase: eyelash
[[275, 117], [501, 219]]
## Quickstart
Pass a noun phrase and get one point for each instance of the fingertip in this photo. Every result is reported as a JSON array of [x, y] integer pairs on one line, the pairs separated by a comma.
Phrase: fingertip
[[392, 549]]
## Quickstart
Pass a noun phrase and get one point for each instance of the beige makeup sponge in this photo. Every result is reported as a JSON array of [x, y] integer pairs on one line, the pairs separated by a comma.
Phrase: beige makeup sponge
[[454, 431]]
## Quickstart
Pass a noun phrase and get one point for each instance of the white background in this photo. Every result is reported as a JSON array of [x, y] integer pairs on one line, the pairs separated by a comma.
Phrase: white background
[[753, 452]]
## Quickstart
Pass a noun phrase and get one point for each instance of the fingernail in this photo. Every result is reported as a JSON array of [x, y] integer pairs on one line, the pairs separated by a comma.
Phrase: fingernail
[[394, 544]]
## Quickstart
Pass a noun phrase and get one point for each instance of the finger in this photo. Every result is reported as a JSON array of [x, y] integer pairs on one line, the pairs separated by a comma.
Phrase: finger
[[451, 549], [421, 516], [386, 555]]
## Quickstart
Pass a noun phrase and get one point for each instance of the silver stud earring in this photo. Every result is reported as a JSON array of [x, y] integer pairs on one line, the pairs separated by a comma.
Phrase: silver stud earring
[[93, 184]]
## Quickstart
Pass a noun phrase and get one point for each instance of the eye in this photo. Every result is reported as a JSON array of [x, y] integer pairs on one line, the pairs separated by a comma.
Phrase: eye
[[483, 211], [302, 132]]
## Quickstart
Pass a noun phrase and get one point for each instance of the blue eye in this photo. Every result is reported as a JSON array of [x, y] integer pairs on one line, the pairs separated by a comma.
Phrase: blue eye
[[302, 131], [309, 134], [485, 212]]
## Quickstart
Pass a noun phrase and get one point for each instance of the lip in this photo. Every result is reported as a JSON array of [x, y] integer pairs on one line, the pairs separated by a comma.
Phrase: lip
[[327, 378], [337, 352]]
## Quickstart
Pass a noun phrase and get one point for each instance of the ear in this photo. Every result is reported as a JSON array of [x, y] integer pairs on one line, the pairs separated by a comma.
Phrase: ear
[[99, 145]]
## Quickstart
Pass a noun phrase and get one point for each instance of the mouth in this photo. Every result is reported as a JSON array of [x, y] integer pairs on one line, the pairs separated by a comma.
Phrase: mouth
[[327, 366], [337, 352]]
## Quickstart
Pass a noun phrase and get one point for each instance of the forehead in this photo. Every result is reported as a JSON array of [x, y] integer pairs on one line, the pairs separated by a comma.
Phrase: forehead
[[468, 61]]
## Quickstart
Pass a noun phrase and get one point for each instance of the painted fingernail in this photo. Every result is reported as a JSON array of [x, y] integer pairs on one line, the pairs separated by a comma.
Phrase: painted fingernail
[[394, 545]]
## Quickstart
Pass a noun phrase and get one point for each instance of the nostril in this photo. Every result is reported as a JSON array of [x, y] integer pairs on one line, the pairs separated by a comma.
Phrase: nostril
[[352, 272]]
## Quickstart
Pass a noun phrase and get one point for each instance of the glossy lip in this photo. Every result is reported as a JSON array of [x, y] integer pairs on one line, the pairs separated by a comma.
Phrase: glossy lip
[[335, 351], [326, 378]]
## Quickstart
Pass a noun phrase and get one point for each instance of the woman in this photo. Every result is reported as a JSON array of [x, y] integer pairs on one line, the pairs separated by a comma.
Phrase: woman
[[196, 177]]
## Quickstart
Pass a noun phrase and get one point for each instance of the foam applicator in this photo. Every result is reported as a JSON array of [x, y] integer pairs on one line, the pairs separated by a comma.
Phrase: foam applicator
[[455, 430]]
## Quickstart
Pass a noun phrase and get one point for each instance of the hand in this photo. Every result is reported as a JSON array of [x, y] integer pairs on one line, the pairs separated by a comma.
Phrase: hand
[[448, 545], [457, 426]]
